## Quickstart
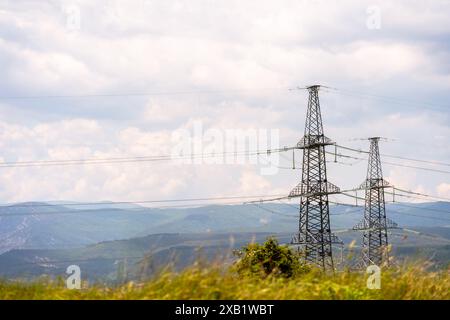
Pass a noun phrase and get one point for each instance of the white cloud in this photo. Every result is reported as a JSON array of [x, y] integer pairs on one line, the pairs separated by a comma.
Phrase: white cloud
[[443, 190], [88, 139], [222, 48], [252, 183]]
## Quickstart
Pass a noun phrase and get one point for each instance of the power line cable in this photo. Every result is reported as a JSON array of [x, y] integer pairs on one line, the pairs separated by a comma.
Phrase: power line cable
[[395, 100], [44, 263], [400, 204], [96, 161], [421, 207], [331, 214], [390, 210], [389, 163], [26, 205], [418, 215], [121, 211], [273, 211], [422, 194], [144, 94], [395, 157]]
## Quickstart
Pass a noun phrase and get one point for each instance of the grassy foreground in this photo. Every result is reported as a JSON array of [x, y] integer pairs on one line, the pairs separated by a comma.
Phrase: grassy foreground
[[213, 282]]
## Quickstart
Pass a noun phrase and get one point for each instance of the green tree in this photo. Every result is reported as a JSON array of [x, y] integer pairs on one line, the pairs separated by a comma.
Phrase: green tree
[[269, 258]]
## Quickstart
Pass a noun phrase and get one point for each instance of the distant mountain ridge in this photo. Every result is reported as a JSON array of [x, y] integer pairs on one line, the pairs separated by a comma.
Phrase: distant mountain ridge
[[38, 225], [143, 256]]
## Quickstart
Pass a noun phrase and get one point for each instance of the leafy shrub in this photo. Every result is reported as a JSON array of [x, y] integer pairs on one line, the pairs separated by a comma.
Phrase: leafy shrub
[[267, 259]]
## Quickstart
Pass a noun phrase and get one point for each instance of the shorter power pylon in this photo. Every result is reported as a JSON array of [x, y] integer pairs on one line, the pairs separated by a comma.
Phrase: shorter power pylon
[[375, 223]]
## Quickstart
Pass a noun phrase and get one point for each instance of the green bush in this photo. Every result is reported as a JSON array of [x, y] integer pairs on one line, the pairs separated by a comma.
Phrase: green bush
[[267, 259]]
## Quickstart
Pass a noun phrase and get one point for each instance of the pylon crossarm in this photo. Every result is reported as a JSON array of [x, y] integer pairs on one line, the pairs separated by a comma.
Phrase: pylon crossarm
[[302, 239], [310, 141], [362, 225], [298, 239], [373, 184], [314, 189], [336, 240], [298, 191], [391, 224]]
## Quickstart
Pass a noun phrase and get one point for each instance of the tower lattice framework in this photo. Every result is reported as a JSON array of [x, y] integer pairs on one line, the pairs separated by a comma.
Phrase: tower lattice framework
[[375, 223], [314, 237]]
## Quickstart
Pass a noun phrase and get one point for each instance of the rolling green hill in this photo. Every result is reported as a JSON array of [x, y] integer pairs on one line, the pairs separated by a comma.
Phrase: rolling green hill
[[143, 256], [43, 226]]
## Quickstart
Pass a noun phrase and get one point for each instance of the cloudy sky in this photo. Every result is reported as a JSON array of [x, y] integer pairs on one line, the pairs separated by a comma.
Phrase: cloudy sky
[[72, 72]]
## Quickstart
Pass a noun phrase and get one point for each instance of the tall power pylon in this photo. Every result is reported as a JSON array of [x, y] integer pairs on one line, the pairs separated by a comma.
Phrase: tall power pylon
[[314, 237], [375, 223]]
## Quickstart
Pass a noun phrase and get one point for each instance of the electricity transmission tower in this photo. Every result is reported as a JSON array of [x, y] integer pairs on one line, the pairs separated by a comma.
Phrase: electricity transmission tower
[[314, 237], [375, 223]]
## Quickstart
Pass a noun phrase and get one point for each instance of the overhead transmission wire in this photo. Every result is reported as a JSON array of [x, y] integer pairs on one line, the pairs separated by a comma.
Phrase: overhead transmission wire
[[273, 211], [390, 210], [103, 161], [122, 211], [149, 158], [156, 158], [389, 163], [212, 92], [419, 215], [49, 263], [145, 94], [421, 207], [395, 194], [165, 157], [331, 214], [125, 211], [406, 213], [417, 206], [396, 164], [422, 194], [144, 209], [345, 193], [233, 153], [107, 203], [363, 199], [192, 156], [384, 162], [395, 157], [395, 100]]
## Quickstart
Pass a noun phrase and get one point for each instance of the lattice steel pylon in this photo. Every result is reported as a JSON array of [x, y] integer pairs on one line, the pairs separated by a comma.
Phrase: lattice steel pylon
[[375, 223], [314, 237]]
